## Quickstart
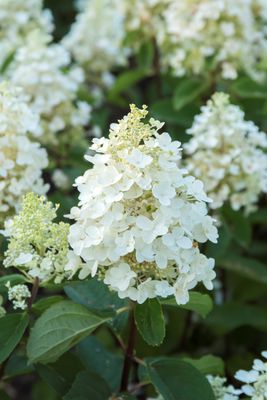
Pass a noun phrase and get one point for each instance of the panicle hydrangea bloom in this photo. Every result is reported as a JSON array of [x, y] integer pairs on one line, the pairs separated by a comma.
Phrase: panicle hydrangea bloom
[[18, 294], [221, 390], [17, 19], [38, 247], [21, 159], [43, 70], [227, 154], [141, 216], [220, 35], [255, 380], [95, 38], [144, 19]]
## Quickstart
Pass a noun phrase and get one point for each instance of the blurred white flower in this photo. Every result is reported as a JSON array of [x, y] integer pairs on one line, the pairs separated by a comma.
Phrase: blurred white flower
[[221, 390], [17, 19], [21, 159], [137, 216], [60, 179], [43, 70], [227, 154], [95, 38], [221, 35], [255, 380]]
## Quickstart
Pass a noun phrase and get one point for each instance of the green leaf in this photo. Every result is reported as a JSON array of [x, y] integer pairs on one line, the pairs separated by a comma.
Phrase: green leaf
[[247, 88], [245, 266], [238, 224], [41, 390], [96, 358], [198, 302], [208, 364], [219, 249], [259, 216], [40, 306], [125, 80], [94, 294], [164, 111], [229, 316], [61, 374], [150, 321], [58, 329], [12, 329], [16, 365], [88, 385], [187, 90], [146, 55], [4, 396], [175, 379]]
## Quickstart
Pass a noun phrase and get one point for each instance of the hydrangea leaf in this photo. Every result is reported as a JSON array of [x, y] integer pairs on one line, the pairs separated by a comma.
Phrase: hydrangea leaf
[[94, 295], [61, 374], [88, 385], [198, 302], [229, 316], [187, 90], [245, 87], [150, 321], [58, 329], [246, 266], [176, 379], [208, 364], [95, 357], [12, 329], [43, 304]]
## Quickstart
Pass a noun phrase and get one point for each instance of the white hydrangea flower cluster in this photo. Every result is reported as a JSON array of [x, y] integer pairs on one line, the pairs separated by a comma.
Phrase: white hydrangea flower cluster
[[143, 19], [227, 154], [43, 70], [255, 380], [18, 294], [216, 35], [21, 159], [221, 390], [38, 247], [96, 37], [141, 216], [17, 19]]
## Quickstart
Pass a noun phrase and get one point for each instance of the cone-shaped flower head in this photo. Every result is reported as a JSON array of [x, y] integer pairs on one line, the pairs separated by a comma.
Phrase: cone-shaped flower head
[[227, 153], [21, 159], [140, 215], [38, 247]]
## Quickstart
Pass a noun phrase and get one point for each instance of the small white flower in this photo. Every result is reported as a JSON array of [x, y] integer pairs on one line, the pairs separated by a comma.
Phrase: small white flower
[[255, 380], [221, 390], [119, 277], [139, 159], [18, 294]]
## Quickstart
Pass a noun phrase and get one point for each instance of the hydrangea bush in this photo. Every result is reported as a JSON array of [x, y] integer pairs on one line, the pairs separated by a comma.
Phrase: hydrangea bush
[[133, 253]]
